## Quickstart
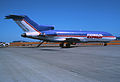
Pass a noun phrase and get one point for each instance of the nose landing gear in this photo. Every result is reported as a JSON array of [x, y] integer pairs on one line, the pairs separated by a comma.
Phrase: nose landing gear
[[105, 44]]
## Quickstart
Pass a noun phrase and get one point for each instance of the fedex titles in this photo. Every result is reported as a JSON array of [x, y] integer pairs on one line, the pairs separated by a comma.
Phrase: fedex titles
[[94, 36]]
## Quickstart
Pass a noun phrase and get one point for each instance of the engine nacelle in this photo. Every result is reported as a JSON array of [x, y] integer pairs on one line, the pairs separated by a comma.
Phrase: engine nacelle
[[30, 34]]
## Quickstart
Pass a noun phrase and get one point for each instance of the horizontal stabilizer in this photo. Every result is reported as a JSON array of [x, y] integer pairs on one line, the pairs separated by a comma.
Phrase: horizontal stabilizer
[[15, 17]]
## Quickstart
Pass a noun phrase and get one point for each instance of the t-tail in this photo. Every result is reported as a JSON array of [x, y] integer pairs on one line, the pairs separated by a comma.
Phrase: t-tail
[[29, 25]]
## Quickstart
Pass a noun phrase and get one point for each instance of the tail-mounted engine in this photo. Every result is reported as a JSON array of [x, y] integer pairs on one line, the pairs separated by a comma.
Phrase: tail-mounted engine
[[30, 34]]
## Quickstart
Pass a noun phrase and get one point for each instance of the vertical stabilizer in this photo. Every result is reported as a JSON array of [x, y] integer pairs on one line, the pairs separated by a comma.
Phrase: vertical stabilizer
[[29, 25], [24, 22]]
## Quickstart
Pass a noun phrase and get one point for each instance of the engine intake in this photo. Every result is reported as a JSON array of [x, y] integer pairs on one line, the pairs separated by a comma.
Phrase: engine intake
[[23, 35], [30, 34]]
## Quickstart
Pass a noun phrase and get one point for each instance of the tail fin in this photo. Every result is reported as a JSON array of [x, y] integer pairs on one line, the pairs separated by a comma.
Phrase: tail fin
[[27, 24]]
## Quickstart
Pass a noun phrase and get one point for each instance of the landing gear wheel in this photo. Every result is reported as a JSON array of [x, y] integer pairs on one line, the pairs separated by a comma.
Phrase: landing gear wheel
[[62, 45], [68, 45], [105, 44]]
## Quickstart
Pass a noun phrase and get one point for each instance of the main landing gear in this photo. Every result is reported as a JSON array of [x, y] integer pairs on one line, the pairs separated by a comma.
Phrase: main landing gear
[[66, 45], [105, 44]]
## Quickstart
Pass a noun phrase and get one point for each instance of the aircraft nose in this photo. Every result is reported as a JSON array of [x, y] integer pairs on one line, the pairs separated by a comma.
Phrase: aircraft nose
[[115, 38]]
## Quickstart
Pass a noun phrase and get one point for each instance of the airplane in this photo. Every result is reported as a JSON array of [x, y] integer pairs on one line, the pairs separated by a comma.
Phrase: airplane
[[65, 37]]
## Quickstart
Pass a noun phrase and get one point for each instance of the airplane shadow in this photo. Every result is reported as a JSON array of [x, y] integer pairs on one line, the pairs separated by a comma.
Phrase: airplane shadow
[[50, 50], [54, 48]]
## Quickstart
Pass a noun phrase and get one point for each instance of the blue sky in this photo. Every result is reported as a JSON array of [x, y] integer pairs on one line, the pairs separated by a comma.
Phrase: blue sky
[[86, 15]]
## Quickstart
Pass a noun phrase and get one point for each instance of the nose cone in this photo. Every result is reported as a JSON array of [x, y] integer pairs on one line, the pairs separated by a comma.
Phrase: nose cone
[[23, 35], [114, 38]]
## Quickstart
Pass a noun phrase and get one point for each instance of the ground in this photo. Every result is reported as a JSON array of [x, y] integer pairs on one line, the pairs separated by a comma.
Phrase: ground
[[54, 64]]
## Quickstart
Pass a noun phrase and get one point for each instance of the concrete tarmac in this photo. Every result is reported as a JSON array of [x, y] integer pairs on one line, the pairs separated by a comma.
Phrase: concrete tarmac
[[54, 64]]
